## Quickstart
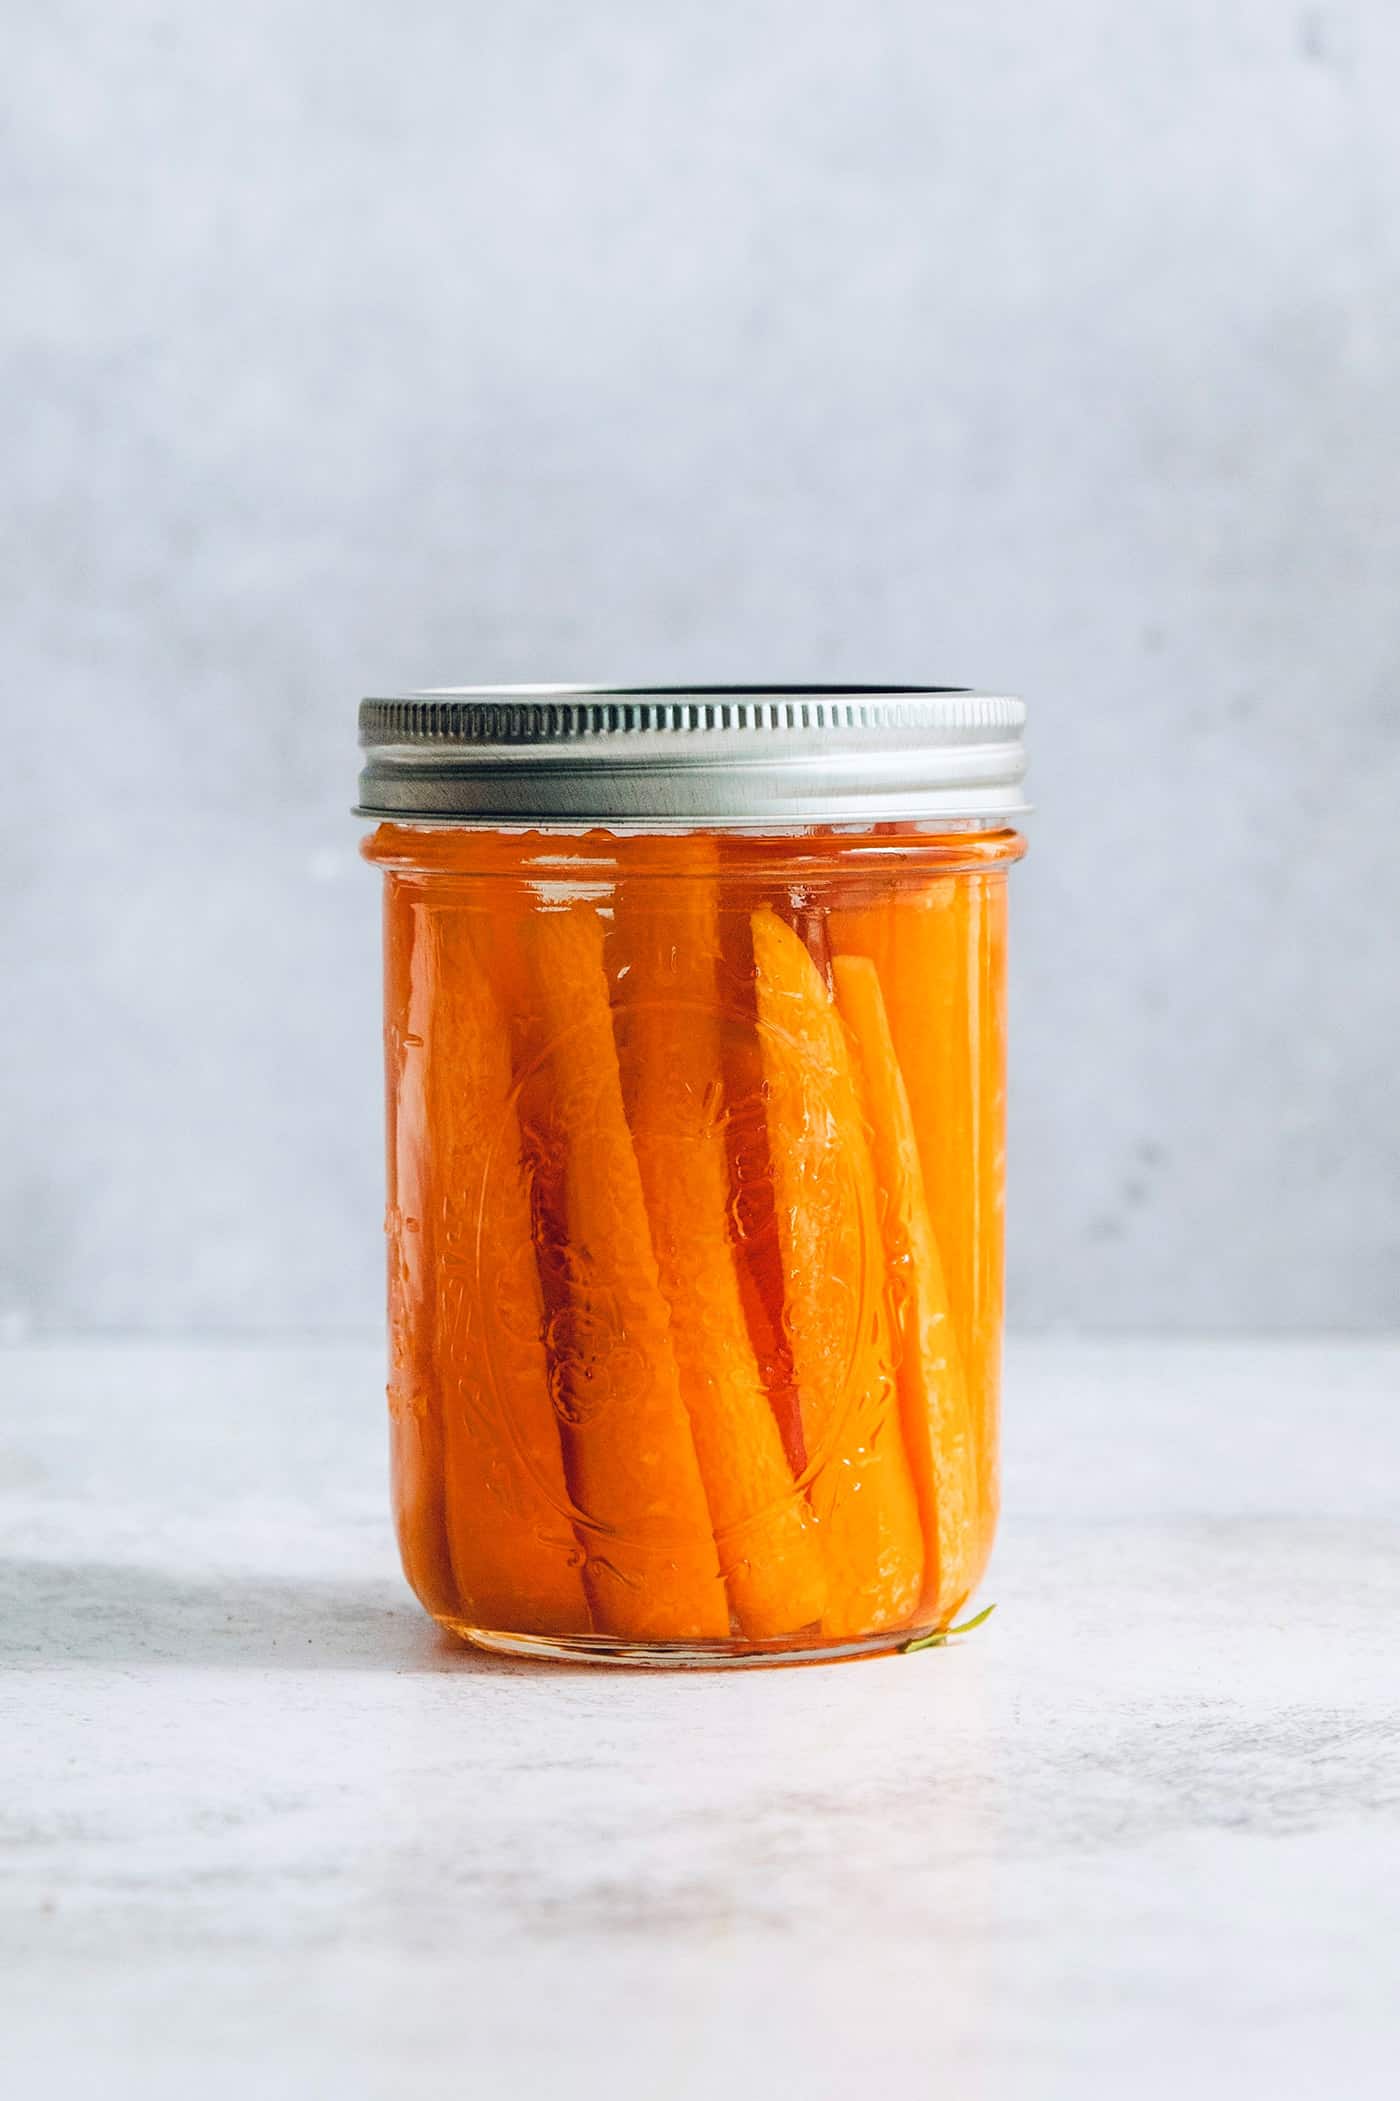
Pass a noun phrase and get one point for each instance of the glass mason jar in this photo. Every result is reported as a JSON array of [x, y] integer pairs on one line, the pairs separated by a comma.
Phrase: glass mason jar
[[695, 1026]]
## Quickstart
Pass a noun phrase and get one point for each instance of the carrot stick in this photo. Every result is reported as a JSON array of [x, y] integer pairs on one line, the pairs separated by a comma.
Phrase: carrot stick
[[759, 1255], [923, 947], [666, 941], [989, 1113], [940, 953], [513, 1549], [933, 1397], [415, 1418], [861, 1486], [654, 1573]]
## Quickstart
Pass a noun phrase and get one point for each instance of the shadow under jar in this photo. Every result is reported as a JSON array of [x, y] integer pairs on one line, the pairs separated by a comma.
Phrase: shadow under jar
[[695, 1030]]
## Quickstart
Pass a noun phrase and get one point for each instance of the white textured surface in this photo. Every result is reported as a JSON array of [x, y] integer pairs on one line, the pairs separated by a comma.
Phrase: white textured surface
[[265, 1833], [1048, 344]]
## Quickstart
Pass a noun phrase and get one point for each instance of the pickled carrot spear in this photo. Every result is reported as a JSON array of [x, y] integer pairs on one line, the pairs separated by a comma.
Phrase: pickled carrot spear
[[923, 946], [927, 947], [759, 1255], [932, 1393], [861, 1486], [512, 1544], [415, 1418], [989, 1271], [666, 945], [653, 1569]]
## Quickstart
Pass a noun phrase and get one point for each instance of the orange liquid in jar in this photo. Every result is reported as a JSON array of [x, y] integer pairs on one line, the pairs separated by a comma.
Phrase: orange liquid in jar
[[695, 1153]]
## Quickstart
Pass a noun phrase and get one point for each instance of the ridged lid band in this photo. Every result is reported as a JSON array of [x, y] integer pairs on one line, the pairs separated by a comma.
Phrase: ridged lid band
[[717, 756]]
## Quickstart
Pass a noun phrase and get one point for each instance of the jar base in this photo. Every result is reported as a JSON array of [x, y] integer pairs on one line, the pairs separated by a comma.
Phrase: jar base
[[680, 1655]]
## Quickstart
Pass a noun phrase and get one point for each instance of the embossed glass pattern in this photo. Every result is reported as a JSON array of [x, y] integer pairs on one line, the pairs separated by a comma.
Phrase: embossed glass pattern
[[695, 1157]]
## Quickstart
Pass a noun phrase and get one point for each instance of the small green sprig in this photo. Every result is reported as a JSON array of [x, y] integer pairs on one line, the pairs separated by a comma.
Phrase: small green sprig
[[945, 1634]]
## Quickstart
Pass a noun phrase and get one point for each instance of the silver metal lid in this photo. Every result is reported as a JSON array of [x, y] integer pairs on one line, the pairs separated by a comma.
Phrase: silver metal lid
[[719, 756]]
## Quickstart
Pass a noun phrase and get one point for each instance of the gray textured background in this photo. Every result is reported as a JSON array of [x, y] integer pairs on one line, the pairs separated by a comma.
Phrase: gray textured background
[[1051, 348]]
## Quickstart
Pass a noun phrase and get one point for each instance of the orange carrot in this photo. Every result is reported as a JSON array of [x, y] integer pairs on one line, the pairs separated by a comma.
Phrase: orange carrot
[[989, 1276], [653, 1570], [513, 1549], [923, 945], [933, 1397], [666, 944], [861, 1486], [926, 946], [758, 1252], [415, 1420]]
